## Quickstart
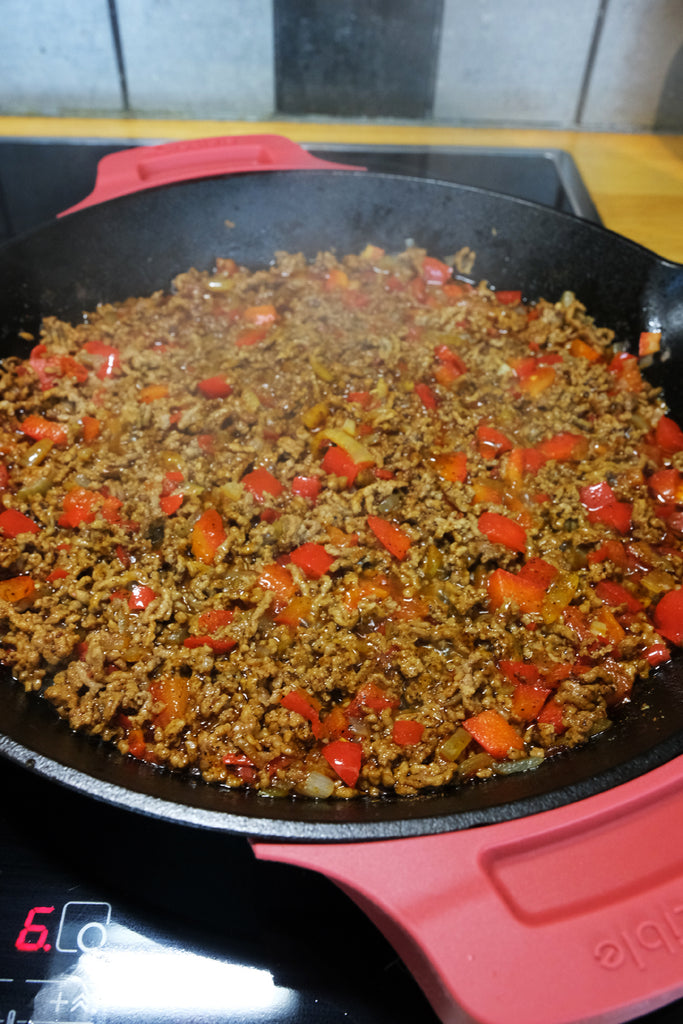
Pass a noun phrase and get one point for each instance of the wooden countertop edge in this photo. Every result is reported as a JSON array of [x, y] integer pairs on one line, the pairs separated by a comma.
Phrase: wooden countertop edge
[[635, 180]]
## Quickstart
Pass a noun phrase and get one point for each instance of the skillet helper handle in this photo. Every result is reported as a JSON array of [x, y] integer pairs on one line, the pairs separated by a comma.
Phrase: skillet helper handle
[[572, 916], [144, 167]]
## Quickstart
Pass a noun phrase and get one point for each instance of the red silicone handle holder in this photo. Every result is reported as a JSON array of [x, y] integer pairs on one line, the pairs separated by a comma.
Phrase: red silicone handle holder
[[567, 917], [144, 167]]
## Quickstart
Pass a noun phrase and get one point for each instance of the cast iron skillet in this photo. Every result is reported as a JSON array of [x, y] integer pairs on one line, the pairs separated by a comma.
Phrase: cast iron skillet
[[135, 244]]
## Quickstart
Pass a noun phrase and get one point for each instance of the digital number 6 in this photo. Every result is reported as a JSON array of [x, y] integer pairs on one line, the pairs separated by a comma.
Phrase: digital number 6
[[33, 935]]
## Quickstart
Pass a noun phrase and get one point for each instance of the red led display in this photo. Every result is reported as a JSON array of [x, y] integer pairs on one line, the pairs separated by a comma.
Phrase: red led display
[[33, 935]]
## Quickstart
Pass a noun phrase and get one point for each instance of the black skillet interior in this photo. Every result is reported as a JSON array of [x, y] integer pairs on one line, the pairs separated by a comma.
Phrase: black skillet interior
[[137, 244]]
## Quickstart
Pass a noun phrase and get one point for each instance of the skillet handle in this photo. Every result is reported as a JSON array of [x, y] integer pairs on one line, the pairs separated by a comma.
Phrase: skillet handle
[[144, 167], [574, 915]]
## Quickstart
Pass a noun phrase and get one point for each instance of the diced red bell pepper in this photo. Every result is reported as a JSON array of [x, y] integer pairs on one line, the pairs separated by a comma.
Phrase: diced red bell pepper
[[218, 646], [614, 594], [206, 443], [501, 530], [667, 486], [136, 744], [491, 442], [56, 574], [41, 429], [207, 536], [657, 654], [296, 612], [173, 692], [552, 715], [336, 279], [446, 356], [141, 596], [563, 447], [111, 359], [79, 506], [426, 395], [306, 486], [505, 589], [13, 523], [362, 398], [668, 616], [303, 704], [649, 342], [338, 462], [91, 428], [170, 503], [252, 337], [215, 618], [582, 350], [610, 550], [152, 393], [313, 559], [110, 508], [277, 578], [4, 477], [669, 436], [520, 672], [537, 570], [451, 466], [346, 758], [494, 733], [390, 536], [261, 482], [528, 700], [215, 387], [260, 315], [434, 271], [18, 588], [371, 697], [510, 297], [625, 368], [407, 732], [603, 507], [533, 375]]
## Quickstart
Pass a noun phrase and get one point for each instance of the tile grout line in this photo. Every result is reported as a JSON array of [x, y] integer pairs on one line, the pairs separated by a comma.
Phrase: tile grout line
[[118, 50], [590, 62]]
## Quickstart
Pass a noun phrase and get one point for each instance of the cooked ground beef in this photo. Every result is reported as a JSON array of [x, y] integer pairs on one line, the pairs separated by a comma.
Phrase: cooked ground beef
[[338, 528]]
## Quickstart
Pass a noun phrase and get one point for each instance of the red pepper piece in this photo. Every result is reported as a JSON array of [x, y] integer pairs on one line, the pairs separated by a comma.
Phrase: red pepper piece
[[79, 506], [171, 481], [657, 654], [173, 692], [501, 530], [215, 387], [170, 503], [537, 570], [277, 578], [41, 429], [669, 436], [56, 574], [504, 589], [18, 588], [668, 616], [434, 271], [296, 612], [667, 486], [111, 359], [13, 523], [626, 371], [141, 596], [511, 297], [371, 697], [528, 700], [491, 442], [552, 715], [563, 447], [494, 733], [302, 704], [313, 559], [426, 396], [407, 732], [446, 355], [338, 462], [346, 758], [252, 337], [390, 536], [649, 342], [362, 398], [451, 466], [603, 507], [217, 646], [207, 536], [520, 672], [306, 486], [259, 315], [261, 482], [614, 594], [91, 428], [215, 618]]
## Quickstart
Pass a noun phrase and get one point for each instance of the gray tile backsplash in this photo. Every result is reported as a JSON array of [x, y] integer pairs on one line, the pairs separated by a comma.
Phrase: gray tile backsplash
[[595, 64]]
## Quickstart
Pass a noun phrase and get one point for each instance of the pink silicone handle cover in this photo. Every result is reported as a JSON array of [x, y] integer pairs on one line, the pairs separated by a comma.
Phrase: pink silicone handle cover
[[573, 915], [144, 167]]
